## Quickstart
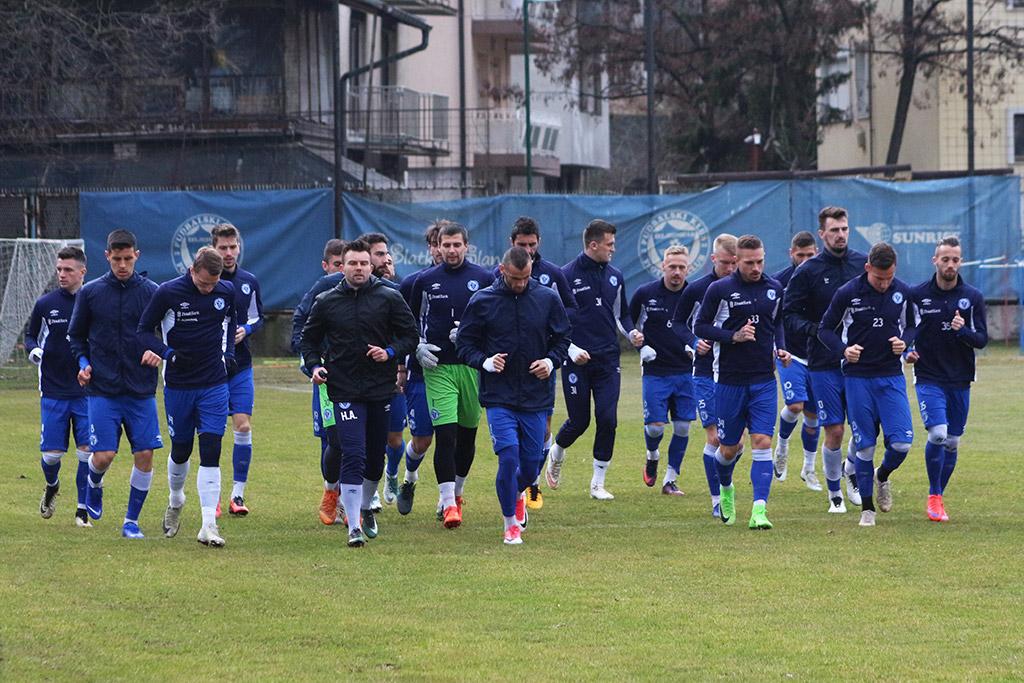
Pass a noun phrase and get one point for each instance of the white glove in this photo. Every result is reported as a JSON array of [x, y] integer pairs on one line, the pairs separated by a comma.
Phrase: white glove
[[425, 355], [575, 352], [489, 365], [36, 355], [634, 335], [647, 354], [454, 332], [689, 351], [550, 364]]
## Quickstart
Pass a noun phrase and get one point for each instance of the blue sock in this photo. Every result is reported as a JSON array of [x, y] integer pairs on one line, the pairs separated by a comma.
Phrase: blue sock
[[676, 450], [810, 439], [785, 426], [51, 469], [95, 476], [711, 470], [241, 456], [725, 469], [890, 463], [140, 483], [934, 455], [653, 442], [412, 463], [761, 477], [394, 454], [865, 477], [506, 480], [948, 465], [82, 479]]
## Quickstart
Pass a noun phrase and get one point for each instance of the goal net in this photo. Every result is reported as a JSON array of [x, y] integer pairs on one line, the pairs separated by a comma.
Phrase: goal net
[[27, 271]]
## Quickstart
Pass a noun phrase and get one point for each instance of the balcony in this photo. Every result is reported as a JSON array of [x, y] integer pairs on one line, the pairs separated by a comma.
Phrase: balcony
[[435, 7], [504, 18], [397, 120], [497, 135]]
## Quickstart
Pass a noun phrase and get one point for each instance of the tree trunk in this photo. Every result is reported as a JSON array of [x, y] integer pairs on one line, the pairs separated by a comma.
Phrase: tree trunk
[[908, 74]]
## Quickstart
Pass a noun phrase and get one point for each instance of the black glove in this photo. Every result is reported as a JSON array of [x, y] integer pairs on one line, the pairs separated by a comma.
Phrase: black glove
[[231, 364]]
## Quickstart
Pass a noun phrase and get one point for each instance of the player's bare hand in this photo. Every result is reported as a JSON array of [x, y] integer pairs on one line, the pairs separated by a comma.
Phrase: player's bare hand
[[898, 345], [85, 376], [495, 363], [239, 334], [319, 375], [958, 322], [377, 353], [541, 369], [852, 353], [785, 356], [403, 376], [912, 357], [636, 338], [703, 347], [746, 333], [150, 359]]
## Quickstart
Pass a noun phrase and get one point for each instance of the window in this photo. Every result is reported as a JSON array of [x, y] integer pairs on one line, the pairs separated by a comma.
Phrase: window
[[1015, 4], [834, 85], [862, 82], [590, 93], [356, 44], [1017, 126]]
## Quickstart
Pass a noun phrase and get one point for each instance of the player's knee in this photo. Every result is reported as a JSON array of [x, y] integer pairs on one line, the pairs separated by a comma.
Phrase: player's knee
[[655, 431], [181, 451], [795, 408], [810, 423], [51, 457], [83, 454], [900, 446], [395, 439], [937, 435], [143, 460], [866, 454], [952, 443], [680, 427], [209, 449], [243, 437], [421, 444], [240, 423]]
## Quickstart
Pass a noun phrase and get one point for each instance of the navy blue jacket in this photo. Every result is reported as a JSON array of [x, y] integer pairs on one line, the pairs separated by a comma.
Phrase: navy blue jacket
[[728, 304], [200, 327], [860, 314], [652, 308], [549, 275], [808, 296], [601, 310], [102, 334], [248, 311], [685, 317], [439, 296], [48, 330], [796, 340], [947, 356], [528, 327]]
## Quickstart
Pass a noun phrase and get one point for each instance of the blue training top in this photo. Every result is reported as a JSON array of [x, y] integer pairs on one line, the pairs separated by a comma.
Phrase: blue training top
[[601, 311], [685, 317], [48, 330], [248, 311], [439, 296], [947, 355], [652, 308]]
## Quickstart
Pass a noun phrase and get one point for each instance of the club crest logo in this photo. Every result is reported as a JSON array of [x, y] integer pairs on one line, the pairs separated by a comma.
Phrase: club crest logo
[[897, 297], [545, 279], [613, 281], [670, 228], [963, 303], [246, 289], [344, 406], [771, 295], [193, 233], [572, 378], [472, 285], [218, 303]]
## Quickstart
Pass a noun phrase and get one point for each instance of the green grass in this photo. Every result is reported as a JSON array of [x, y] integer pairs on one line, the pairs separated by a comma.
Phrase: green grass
[[643, 587]]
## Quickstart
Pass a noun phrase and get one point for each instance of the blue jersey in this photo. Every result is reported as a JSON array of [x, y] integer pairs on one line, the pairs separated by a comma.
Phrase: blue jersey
[[808, 295], [652, 308], [797, 340], [199, 327], [860, 314], [685, 317], [601, 310], [439, 296], [48, 330], [102, 334], [248, 311], [947, 356], [728, 305], [549, 275]]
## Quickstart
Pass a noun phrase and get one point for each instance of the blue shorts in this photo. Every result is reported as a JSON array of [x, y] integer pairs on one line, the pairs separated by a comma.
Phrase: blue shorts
[[56, 415], [749, 406], [704, 390], [874, 401], [519, 429], [196, 410], [397, 419], [107, 415], [944, 406], [795, 382], [830, 391], [672, 394], [241, 393], [417, 410]]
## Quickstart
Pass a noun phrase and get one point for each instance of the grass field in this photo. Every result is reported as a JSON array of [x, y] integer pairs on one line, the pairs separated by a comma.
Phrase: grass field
[[642, 587]]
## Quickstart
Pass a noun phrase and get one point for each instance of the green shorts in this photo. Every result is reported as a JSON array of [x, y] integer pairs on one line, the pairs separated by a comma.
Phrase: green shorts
[[453, 395]]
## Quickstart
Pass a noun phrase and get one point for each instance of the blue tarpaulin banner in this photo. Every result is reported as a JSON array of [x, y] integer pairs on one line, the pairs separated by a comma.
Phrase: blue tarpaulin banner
[[912, 216], [283, 233]]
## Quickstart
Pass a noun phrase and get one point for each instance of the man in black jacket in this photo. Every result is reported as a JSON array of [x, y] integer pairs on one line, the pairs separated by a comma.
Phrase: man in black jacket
[[516, 332], [366, 328]]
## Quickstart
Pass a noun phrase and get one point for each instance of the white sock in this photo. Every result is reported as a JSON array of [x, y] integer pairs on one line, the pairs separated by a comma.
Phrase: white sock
[[557, 453], [332, 486], [177, 473], [460, 484], [238, 489], [351, 496], [411, 454], [715, 500], [369, 488], [600, 469], [510, 522], [653, 455], [447, 490], [208, 485], [670, 475], [809, 459], [92, 467]]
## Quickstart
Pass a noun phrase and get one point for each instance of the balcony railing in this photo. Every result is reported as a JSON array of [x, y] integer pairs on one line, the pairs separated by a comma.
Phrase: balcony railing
[[510, 10], [398, 118], [502, 131], [444, 7]]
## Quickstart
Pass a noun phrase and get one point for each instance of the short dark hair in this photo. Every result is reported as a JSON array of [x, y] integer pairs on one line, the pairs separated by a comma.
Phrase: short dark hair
[[451, 228], [373, 238], [72, 252], [882, 255], [950, 241], [334, 247], [430, 234], [121, 239], [210, 260], [516, 257], [225, 230], [749, 242], [524, 225], [802, 239], [833, 212], [356, 245], [596, 230]]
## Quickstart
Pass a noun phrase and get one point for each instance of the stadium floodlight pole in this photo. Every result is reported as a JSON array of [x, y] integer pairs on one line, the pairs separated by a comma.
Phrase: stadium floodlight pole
[[528, 136]]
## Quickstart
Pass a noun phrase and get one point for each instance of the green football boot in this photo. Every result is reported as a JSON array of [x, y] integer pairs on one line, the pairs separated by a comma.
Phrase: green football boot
[[728, 503], [759, 518]]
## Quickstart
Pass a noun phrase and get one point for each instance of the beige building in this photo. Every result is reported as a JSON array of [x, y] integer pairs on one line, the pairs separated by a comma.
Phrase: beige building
[[935, 138]]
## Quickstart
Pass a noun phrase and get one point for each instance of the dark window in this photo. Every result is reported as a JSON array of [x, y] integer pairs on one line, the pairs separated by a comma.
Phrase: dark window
[[1018, 137]]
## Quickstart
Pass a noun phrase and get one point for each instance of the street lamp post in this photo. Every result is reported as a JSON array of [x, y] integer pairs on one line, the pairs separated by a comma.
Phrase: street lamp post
[[528, 137]]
